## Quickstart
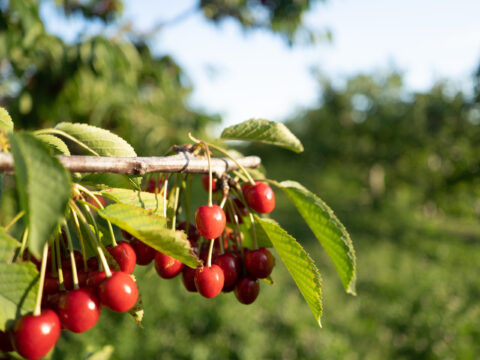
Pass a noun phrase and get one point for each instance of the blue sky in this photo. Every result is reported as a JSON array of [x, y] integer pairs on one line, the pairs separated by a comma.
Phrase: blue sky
[[257, 75]]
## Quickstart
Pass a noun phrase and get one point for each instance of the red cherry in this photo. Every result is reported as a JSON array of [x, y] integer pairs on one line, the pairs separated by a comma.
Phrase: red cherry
[[51, 285], [118, 292], [95, 278], [166, 266], [205, 182], [209, 280], [240, 209], [152, 183], [34, 336], [79, 309], [260, 197], [5, 342], [210, 221], [259, 263], [125, 256], [230, 265], [188, 278], [144, 253], [192, 234], [92, 264], [246, 290]]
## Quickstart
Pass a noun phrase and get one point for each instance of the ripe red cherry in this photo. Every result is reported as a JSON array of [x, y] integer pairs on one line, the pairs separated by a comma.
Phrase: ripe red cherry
[[209, 280], [259, 263], [152, 183], [125, 256], [246, 290], [205, 182], [144, 253], [79, 309], [166, 266], [5, 343], [230, 265], [118, 292], [95, 278], [34, 336], [260, 197], [210, 221], [188, 278]]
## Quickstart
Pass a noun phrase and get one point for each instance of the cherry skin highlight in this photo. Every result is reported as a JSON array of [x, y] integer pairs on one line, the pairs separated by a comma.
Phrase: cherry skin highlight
[[118, 292], [260, 197], [144, 253], [247, 290], [166, 266], [259, 263], [210, 221], [209, 280], [79, 309], [125, 256], [34, 336], [230, 265]]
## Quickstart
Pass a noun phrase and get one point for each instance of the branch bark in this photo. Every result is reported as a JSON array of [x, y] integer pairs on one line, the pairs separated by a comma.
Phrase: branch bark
[[181, 162]]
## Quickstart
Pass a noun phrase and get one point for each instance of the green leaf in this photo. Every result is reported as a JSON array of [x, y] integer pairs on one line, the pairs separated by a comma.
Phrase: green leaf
[[261, 237], [140, 199], [102, 141], [269, 132], [298, 263], [6, 123], [43, 185], [109, 180], [8, 245], [151, 229], [327, 229], [54, 142], [18, 289]]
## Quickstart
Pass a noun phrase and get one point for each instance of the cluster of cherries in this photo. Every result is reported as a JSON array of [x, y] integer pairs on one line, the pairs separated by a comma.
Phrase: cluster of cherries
[[76, 305]]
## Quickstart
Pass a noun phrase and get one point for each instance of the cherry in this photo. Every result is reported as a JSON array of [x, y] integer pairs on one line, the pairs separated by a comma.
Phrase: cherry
[[118, 292], [209, 280], [5, 342], [95, 278], [125, 256], [79, 309], [92, 263], [51, 285], [246, 290], [152, 183], [259, 263], [230, 265], [34, 336], [205, 182], [192, 234], [166, 266], [240, 209], [188, 278], [144, 253], [210, 221], [260, 197]]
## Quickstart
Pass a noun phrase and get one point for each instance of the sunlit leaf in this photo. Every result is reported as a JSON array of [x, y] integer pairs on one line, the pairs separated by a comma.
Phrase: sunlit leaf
[[6, 123]]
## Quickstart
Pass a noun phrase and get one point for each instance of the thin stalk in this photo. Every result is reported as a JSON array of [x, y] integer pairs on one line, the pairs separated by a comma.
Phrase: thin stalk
[[59, 264], [72, 257], [165, 202], [175, 205], [81, 240], [14, 220], [43, 268], [24, 242], [210, 252]]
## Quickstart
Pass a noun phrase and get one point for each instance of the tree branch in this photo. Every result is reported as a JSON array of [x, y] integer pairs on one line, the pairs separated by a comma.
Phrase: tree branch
[[181, 162]]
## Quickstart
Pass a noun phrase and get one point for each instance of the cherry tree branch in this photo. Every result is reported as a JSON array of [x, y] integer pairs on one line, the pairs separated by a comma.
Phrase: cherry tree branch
[[181, 162]]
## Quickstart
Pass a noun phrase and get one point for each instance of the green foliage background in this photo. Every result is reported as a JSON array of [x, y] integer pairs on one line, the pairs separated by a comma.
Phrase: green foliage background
[[400, 170]]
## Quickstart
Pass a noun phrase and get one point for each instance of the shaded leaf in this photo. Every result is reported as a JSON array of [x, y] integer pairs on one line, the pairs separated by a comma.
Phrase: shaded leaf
[[7, 247], [18, 289], [151, 229], [54, 142], [269, 132], [140, 199], [44, 188], [6, 123], [298, 263], [326, 227], [110, 180], [100, 140]]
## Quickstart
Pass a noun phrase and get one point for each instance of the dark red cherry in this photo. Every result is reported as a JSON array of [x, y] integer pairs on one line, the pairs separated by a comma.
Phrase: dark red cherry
[[230, 265], [260, 197], [51, 285], [79, 309], [92, 264], [95, 278], [125, 256], [188, 278], [259, 263], [152, 183], [205, 182], [127, 236], [118, 292], [246, 290], [192, 234], [210, 221], [5, 342], [166, 266], [34, 336], [209, 280], [144, 253]]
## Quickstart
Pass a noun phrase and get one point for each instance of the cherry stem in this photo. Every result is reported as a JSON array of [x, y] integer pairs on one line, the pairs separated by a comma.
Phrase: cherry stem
[[80, 237], [165, 202], [210, 252], [94, 240], [56, 243], [187, 195], [100, 205], [14, 220], [38, 304], [233, 213], [175, 205], [24, 242], [72, 257]]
